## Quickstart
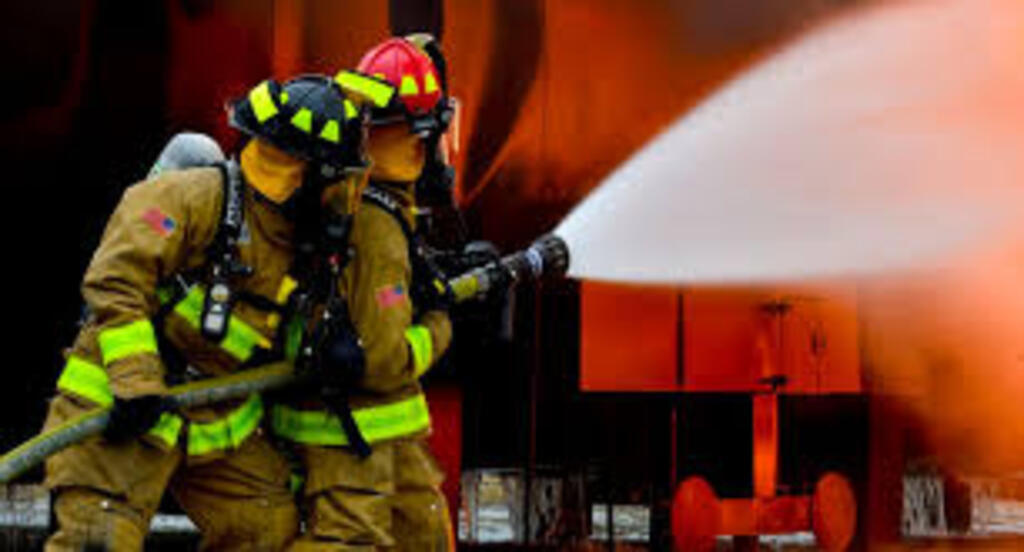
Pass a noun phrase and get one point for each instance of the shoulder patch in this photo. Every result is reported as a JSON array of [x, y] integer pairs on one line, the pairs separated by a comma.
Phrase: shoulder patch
[[391, 295], [160, 222]]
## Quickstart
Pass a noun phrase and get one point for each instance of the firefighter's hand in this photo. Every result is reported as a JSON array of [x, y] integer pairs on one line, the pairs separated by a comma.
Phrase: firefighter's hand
[[433, 294], [342, 362], [132, 418]]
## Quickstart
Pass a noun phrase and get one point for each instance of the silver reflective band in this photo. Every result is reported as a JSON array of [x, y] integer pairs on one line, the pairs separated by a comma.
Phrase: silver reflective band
[[536, 261]]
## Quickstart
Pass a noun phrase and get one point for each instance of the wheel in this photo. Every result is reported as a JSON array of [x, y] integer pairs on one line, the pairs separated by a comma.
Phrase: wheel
[[696, 516], [833, 512]]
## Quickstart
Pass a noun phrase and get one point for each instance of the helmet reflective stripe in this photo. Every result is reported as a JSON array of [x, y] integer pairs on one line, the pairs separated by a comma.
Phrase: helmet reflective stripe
[[409, 87], [303, 120], [408, 68], [309, 117], [331, 132], [379, 93], [262, 104], [430, 83]]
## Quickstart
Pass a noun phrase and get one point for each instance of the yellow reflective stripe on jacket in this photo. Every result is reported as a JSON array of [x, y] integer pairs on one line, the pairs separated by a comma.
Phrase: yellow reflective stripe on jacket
[[376, 423], [228, 432], [124, 341], [167, 428], [284, 291], [90, 381], [241, 338], [422, 346], [85, 379]]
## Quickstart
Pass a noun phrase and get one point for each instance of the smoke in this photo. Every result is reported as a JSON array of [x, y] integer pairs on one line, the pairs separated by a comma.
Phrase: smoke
[[950, 343]]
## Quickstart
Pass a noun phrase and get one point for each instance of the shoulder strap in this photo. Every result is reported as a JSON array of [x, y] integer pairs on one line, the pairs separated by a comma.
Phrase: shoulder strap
[[231, 211], [222, 255], [427, 279], [374, 195]]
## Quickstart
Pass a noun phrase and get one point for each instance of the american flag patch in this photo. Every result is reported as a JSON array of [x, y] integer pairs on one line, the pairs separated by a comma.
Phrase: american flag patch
[[389, 296], [159, 222]]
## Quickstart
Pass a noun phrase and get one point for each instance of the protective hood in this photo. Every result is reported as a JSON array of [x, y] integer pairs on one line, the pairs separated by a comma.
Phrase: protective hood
[[272, 172], [397, 154]]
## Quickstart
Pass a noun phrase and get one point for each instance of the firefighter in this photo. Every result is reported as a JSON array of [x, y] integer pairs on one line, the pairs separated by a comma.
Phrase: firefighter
[[374, 483], [185, 284]]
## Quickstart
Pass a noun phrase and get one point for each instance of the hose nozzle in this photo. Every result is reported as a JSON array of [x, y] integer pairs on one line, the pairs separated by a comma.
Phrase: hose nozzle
[[548, 257]]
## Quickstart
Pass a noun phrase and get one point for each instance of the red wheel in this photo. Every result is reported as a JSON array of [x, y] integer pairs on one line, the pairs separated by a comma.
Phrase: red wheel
[[696, 516], [834, 512]]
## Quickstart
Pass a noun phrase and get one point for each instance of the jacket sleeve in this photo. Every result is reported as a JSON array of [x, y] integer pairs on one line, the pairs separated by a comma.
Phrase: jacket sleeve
[[397, 351], [145, 241]]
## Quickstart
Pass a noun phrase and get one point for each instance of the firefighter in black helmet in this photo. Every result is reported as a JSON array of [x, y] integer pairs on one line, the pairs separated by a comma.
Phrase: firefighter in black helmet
[[194, 278]]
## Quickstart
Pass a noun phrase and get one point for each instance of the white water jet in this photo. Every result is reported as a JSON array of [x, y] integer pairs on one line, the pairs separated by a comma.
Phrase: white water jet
[[883, 140]]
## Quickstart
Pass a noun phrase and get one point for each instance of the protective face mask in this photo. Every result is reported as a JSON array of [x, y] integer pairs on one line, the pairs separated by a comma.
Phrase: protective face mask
[[397, 154], [343, 196], [275, 174]]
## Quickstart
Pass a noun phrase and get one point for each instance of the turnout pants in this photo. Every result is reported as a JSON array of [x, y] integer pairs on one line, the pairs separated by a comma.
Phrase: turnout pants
[[389, 501], [106, 494]]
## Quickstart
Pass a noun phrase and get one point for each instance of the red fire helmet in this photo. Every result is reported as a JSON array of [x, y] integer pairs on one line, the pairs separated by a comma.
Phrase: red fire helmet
[[410, 70]]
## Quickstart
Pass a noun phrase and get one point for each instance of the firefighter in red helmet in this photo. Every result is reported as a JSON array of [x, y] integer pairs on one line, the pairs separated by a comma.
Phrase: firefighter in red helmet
[[367, 487]]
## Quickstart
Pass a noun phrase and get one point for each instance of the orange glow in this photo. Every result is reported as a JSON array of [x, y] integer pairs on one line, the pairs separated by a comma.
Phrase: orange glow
[[629, 338], [766, 444], [950, 343]]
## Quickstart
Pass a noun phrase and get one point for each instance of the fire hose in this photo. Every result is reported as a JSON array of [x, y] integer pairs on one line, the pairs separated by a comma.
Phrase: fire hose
[[548, 256]]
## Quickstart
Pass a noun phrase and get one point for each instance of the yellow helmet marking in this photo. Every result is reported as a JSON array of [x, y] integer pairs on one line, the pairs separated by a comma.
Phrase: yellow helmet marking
[[303, 120], [331, 132], [430, 84], [262, 104], [409, 86], [360, 85]]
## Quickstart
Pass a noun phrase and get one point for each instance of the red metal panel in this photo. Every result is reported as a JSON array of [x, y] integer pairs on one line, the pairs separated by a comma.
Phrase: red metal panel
[[736, 337], [733, 339], [728, 344], [820, 340], [628, 338]]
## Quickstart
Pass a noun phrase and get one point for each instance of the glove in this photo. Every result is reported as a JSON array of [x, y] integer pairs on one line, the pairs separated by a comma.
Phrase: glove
[[132, 418], [429, 288], [342, 362], [342, 366]]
